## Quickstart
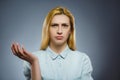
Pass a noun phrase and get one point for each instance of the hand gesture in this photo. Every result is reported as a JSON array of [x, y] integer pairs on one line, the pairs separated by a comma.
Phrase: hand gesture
[[20, 52]]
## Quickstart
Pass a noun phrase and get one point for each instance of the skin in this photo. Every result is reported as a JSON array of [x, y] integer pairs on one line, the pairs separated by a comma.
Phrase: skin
[[27, 56], [59, 32]]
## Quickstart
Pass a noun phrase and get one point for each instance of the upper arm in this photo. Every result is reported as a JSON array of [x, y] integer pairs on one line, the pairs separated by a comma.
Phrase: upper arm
[[86, 69]]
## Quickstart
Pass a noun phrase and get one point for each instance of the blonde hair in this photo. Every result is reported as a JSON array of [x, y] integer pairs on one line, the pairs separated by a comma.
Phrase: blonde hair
[[46, 25]]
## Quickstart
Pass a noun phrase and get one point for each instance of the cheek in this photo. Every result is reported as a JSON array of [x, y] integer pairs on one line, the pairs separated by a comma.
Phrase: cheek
[[67, 33], [51, 33]]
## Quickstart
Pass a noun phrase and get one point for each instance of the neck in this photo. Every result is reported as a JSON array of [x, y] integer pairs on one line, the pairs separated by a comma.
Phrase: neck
[[58, 48]]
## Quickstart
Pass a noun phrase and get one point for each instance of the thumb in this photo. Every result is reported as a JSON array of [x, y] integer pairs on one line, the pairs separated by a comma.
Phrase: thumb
[[23, 48]]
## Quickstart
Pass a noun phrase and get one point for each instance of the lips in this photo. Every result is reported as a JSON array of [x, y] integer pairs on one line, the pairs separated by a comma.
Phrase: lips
[[59, 37]]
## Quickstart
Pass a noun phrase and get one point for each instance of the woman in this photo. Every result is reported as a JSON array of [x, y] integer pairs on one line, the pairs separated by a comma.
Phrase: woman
[[58, 58]]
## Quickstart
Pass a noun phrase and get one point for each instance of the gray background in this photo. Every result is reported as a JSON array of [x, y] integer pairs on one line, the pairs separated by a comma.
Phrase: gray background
[[97, 33]]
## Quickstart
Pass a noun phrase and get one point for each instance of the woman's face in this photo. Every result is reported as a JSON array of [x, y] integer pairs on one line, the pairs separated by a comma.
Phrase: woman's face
[[59, 30]]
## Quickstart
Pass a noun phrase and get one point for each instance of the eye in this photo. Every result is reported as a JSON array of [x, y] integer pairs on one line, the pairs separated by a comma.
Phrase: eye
[[65, 25], [54, 25]]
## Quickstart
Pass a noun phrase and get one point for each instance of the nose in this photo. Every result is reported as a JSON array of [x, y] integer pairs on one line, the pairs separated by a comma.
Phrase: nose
[[59, 31]]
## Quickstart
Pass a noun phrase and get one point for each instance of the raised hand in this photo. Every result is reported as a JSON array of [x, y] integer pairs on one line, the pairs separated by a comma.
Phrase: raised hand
[[25, 55], [22, 53]]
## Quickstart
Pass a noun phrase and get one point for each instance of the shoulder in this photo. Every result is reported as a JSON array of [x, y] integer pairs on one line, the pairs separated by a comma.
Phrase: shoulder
[[80, 54], [83, 58], [41, 54]]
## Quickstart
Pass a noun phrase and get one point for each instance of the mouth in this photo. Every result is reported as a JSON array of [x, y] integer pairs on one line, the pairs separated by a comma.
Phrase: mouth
[[59, 37]]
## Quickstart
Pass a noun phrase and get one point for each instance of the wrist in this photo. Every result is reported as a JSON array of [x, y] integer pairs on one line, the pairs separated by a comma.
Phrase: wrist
[[35, 61]]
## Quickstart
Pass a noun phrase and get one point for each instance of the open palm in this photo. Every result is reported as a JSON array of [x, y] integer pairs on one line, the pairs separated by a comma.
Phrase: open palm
[[22, 53]]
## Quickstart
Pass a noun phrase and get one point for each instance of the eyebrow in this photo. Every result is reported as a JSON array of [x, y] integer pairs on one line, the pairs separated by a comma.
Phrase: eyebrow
[[54, 24], [65, 24]]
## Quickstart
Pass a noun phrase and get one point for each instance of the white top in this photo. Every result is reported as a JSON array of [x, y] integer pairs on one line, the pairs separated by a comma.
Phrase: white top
[[68, 65]]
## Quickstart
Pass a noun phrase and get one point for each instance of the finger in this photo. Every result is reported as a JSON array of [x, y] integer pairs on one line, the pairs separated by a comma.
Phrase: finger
[[20, 53], [24, 50], [19, 48], [26, 53], [12, 48], [15, 47]]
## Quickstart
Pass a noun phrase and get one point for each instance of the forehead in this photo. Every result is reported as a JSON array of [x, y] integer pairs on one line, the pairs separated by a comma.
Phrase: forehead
[[60, 19]]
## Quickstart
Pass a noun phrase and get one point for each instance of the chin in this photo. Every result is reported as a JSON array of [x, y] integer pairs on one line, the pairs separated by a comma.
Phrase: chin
[[59, 43]]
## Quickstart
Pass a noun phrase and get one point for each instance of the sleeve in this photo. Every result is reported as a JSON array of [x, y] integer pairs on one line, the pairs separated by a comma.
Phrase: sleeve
[[86, 69], [27, 70]]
